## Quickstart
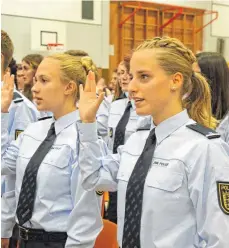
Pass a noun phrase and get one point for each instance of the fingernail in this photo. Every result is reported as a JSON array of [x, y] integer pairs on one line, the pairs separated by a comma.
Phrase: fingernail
[[91, 75]]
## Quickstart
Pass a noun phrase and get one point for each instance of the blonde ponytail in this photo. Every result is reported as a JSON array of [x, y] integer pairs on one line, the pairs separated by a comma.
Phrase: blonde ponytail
[[198, 101]]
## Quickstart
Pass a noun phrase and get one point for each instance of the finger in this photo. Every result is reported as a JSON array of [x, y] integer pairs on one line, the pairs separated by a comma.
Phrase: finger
[[81, 90], [99, 100], [92, 81], [87, 86], [11, 82], [5, 85]]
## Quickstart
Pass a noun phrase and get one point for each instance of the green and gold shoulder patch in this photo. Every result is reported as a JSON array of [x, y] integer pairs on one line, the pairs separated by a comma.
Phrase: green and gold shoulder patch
[[17, 132], [223, 196], [99, 193]]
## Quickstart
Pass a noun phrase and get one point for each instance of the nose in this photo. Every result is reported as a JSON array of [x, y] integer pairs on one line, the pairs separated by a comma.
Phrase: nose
[[132, 87], [35, 88]]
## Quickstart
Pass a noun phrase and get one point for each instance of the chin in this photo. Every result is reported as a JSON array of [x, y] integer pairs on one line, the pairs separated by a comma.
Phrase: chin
[[142, 111], [125, 89], [40, 107]]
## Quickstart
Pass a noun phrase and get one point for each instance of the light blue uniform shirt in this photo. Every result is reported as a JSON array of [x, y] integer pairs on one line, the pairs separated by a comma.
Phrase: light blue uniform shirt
[[116, 112], [180, 208], [102, 117], [223, 129], [22, 112], [61, 204]]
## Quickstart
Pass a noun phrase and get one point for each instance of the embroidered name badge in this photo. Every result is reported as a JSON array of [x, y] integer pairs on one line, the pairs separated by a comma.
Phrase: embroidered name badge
[[99, 193], [223, 196], [17, 132], [111, 132], [160, 163]]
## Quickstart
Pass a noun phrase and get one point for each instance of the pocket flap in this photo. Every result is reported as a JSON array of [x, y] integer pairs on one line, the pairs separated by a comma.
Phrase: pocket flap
[[164, 179]]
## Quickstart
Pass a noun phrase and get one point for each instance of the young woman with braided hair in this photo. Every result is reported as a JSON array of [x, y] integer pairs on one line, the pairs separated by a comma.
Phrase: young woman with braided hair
[[172, 179]]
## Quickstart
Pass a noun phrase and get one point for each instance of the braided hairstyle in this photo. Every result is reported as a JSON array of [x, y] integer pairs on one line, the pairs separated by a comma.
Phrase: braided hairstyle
[[172, 55], [74, 68]]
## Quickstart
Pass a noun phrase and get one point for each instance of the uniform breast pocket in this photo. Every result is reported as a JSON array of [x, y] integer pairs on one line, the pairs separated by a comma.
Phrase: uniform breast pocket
[[164, 179], [55, 173], [58, 156], [163, 190]]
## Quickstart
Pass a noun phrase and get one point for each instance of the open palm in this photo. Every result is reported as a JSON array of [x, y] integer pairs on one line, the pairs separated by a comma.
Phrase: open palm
[[89, 103], [7, 92]]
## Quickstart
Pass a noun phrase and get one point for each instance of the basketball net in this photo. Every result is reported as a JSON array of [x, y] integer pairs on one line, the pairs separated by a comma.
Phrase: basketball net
[[53, 48]]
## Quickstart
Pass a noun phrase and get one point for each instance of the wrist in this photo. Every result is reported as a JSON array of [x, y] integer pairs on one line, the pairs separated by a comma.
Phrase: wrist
[[88, 121], [4, 111]]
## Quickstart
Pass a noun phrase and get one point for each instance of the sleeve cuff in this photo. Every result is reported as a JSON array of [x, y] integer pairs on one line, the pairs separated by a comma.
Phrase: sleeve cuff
[[88, 132], [4, 120], [6, 229]]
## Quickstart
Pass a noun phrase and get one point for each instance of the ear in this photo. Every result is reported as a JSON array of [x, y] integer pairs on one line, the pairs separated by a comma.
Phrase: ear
[[177, 81], [70, 88]]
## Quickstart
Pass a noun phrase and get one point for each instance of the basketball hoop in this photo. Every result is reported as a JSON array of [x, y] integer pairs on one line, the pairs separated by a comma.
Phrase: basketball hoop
[[55, 47]]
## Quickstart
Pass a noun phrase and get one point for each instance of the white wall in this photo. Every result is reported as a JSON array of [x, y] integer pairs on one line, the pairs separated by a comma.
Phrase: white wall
[[93, 38]]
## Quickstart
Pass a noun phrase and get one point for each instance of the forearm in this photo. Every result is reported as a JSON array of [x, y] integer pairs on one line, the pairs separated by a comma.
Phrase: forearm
[[98, 171]]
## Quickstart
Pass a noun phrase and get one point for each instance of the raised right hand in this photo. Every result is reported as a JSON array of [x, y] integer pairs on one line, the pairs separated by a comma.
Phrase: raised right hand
[[89, 103], [7, 92], [5, 243]]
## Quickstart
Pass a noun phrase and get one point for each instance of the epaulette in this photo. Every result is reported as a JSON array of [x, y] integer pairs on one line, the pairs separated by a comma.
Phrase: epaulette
[[207, 132], [143, 129], [17, 98], [44, 118]]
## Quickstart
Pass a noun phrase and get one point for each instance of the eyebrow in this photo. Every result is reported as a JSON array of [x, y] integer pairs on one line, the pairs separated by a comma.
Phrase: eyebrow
[[42, 75], [143, 71]]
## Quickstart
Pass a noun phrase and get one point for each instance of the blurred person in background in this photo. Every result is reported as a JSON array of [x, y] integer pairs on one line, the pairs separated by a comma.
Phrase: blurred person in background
[[30, 64]]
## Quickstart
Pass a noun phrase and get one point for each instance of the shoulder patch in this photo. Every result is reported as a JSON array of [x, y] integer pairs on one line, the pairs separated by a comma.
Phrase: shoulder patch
[[110, 132], [44, 118], [223, 196], [99, 193], [17, 132], [207, 132]]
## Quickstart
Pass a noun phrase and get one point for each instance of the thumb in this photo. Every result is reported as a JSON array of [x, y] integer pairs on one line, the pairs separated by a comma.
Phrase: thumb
[[100, 99]]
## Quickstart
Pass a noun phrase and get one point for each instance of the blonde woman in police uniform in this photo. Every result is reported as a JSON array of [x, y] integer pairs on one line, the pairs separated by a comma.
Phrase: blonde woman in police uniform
[[52, 208], [172, 180]]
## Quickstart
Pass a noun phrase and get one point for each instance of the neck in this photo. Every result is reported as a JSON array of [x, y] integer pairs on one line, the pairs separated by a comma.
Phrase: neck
[[167, 112], [66, 109]]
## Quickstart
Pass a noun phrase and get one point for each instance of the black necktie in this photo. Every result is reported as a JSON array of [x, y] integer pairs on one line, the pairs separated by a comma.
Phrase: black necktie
[[134, 195], [121, 128], [28, 189]]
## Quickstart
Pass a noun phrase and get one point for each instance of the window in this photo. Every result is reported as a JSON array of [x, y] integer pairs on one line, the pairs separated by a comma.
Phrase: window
[[88, 9]]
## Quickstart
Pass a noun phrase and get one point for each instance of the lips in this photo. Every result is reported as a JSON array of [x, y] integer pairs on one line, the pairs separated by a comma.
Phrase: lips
[[138, 101], [37, 99]]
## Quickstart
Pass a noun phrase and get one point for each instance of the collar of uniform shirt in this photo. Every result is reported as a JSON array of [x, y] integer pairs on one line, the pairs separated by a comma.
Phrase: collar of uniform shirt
[[131, 101], [167, 127], [66, 121]]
